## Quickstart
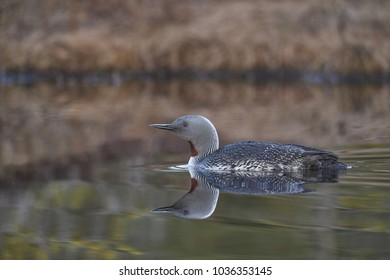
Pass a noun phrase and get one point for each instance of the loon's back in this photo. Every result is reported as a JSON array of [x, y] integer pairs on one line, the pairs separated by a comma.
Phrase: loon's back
[[256, 156]]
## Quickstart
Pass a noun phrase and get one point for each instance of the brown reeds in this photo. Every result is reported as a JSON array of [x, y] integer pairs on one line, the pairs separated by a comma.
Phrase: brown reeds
[[306, 35]]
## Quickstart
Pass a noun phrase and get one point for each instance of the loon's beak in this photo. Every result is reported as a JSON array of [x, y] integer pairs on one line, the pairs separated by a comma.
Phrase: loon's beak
[[163, 209], [163, 126]]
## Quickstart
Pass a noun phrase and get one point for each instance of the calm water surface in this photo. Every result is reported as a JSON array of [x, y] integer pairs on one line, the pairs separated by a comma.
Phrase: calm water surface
[[62, 200], [109, 217]]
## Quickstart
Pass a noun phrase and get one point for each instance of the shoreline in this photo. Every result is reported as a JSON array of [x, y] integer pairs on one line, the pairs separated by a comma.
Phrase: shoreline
[[116, 77]]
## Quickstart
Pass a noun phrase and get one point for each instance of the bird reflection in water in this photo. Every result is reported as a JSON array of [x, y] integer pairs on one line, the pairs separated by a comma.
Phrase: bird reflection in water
[[201, 201]]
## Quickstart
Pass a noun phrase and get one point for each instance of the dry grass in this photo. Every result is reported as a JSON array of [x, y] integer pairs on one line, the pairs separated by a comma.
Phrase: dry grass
[[307, 35]]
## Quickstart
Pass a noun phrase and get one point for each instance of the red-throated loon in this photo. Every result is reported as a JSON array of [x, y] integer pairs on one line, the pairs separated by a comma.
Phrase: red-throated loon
[[245, 156]]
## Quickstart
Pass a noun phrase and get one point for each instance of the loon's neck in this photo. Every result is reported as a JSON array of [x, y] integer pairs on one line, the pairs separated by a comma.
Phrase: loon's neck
[[203, 145]]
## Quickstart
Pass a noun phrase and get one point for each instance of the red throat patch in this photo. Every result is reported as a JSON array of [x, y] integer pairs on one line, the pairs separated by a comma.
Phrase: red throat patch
[[194, 152], [194, 184]]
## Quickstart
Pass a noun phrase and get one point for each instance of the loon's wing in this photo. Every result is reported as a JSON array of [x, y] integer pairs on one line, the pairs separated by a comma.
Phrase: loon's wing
[[273, 151], [266, 155]]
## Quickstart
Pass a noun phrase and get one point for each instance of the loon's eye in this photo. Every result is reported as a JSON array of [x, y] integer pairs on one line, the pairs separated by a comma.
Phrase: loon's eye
[[185, 124], [186, 212]]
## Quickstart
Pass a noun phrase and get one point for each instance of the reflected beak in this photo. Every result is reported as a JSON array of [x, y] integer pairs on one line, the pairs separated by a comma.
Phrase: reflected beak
[[162, 126], [163, 209]]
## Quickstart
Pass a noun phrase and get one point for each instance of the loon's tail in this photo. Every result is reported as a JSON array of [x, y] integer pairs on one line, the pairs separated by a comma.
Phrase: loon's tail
[[339, 165]]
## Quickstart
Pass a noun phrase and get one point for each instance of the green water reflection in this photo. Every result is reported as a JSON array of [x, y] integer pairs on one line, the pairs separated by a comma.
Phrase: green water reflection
[[110, 218], [81, 171]]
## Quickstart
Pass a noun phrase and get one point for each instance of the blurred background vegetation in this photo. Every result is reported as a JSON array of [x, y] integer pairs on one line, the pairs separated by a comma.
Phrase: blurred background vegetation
[[338, 36]]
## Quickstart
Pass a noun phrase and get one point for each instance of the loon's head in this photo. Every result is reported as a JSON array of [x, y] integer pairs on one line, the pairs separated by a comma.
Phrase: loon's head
[[197, 130]]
